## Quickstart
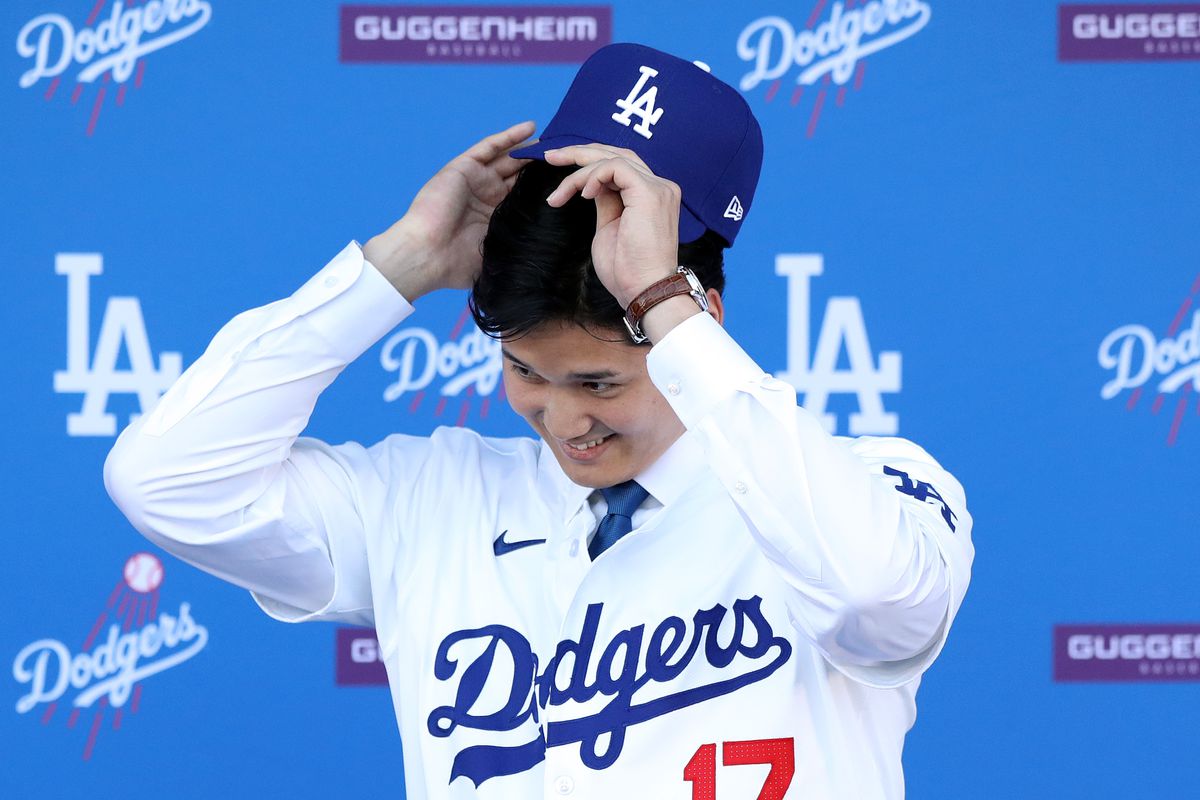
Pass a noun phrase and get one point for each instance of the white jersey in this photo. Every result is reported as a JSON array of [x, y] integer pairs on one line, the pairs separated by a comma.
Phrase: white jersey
[[759, 634]]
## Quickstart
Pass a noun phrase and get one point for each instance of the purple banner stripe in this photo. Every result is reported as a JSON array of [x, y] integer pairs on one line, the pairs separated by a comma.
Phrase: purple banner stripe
[[1153, 653], [473, 34], [1129, 32], [358, 660]]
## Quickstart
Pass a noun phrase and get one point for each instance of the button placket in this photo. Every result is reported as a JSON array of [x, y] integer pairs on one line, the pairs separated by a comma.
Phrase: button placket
[[566, 574]]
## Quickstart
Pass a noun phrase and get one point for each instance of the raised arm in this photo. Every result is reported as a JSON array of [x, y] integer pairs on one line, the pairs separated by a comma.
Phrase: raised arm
[[872, 535], [216, 473]]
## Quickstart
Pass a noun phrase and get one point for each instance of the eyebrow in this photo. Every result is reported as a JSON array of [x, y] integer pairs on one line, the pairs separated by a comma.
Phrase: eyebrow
[[600, 375]]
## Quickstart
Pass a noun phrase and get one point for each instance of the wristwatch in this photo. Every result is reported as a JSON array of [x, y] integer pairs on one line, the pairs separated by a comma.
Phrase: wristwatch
[[684, 281]]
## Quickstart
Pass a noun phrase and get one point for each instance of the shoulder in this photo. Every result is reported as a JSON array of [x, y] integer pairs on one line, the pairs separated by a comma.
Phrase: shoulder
[[899, 453], [909, 467], [453, 447]]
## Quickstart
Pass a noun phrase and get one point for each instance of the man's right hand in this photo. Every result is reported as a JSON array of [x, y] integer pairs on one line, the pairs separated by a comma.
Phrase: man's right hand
[[435, 245]]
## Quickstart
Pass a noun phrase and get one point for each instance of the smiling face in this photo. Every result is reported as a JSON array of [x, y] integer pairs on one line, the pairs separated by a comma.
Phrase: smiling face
[[591, 401]]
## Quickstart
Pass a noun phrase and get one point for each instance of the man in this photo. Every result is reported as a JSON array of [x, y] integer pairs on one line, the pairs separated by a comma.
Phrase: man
[[682, 576]]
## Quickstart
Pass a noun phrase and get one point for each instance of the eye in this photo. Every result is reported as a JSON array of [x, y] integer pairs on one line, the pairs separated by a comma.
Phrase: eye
[[598, 387], [522, 372]]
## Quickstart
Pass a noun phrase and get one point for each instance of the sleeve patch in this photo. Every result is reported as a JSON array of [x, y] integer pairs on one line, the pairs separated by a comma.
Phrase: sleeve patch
[[921, 492]]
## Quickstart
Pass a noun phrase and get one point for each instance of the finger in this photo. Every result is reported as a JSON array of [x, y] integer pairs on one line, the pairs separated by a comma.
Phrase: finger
[[615, 174], [505, 165], [601, 173], [590, 153], [487, 149], [608, 207], [569, 186]]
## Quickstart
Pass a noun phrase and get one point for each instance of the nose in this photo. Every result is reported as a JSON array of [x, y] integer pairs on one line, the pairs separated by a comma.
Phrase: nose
[[565, 417]]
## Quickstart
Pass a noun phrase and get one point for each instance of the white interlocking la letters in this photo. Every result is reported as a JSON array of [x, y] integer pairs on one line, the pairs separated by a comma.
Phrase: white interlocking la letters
[[640, 101], [122, 325], [842, 325]]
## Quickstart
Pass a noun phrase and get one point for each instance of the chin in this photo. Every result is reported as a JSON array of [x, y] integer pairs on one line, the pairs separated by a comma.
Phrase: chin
[[592, 476], [598, 475]]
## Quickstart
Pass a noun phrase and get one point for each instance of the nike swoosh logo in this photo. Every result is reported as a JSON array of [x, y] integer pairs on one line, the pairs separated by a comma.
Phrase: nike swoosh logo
[[500, 547]]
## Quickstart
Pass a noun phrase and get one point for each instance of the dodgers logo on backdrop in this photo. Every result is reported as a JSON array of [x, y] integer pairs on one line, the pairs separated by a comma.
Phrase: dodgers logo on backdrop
[[109, 52], [1135, 357], [465, 365], [826, 50], [729, 648], [842, 327], [135, 641], [95, 374]]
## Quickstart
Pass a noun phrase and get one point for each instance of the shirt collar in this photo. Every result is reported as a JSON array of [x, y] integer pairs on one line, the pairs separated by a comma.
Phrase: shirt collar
[[675, 471]]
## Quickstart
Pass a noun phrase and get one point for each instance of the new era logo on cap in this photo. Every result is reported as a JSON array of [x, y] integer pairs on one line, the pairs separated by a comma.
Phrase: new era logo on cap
[[685, 124], [734, 209]]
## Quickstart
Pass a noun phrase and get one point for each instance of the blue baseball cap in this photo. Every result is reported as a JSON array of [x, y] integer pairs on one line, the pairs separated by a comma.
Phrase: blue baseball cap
[[685, 124]]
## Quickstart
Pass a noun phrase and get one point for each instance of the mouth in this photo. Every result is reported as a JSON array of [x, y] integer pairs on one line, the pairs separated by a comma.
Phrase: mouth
[[588, 450]]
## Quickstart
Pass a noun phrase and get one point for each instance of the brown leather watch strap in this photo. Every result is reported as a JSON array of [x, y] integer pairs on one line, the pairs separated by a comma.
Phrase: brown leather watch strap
[[654, 294]]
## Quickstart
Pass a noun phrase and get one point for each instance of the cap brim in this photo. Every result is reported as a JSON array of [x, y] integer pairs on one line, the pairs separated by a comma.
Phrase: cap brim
[[538, 149], [690, 226]]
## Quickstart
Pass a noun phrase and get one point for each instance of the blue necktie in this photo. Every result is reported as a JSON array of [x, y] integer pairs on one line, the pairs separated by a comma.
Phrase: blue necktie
[[623, 499]]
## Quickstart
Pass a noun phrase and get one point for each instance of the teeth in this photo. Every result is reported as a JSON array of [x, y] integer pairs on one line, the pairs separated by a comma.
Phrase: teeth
[[586, 445]]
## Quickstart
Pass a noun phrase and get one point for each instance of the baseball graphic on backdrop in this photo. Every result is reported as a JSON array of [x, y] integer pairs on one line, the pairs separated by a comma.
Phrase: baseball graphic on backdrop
[[143, 572]]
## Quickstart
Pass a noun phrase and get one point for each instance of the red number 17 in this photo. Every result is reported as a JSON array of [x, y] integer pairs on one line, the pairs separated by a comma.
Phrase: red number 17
[[701, 771]]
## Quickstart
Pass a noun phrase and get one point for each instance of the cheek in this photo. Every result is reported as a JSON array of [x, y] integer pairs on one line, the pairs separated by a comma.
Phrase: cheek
[[521, 397], [631, 416], [649, 417]]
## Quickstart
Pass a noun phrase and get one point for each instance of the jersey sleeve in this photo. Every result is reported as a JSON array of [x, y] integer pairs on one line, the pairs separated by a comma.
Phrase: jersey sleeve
[[871, 535], [218, 475]]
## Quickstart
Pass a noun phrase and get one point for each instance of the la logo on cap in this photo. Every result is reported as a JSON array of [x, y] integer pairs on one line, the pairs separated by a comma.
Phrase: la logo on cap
[[640, 104]]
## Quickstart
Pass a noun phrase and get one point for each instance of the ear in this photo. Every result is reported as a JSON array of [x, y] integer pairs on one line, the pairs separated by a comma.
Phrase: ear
[[716, 306]]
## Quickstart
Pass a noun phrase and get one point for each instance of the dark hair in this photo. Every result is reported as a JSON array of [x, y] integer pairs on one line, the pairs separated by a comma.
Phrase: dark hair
[[537, 261]]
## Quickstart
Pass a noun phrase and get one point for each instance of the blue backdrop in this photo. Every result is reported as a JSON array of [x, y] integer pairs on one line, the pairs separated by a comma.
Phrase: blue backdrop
[[985, 213]]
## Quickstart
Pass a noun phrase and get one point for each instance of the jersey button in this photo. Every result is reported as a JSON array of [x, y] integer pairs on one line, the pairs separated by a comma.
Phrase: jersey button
[[740, 487], [564, 785]]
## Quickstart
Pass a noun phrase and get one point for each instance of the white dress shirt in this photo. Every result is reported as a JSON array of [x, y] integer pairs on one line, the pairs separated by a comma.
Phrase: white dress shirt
[[779, 597]]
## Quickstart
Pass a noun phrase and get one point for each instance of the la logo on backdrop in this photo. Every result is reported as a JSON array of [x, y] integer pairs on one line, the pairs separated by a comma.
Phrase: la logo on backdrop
[[108, 47], [814, 371], [1170, 366], [829, 50], [130, 640], [95, 374]]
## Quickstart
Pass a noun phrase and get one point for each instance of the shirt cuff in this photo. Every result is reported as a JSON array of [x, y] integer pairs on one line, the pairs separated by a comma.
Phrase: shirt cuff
[[698, 365]]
